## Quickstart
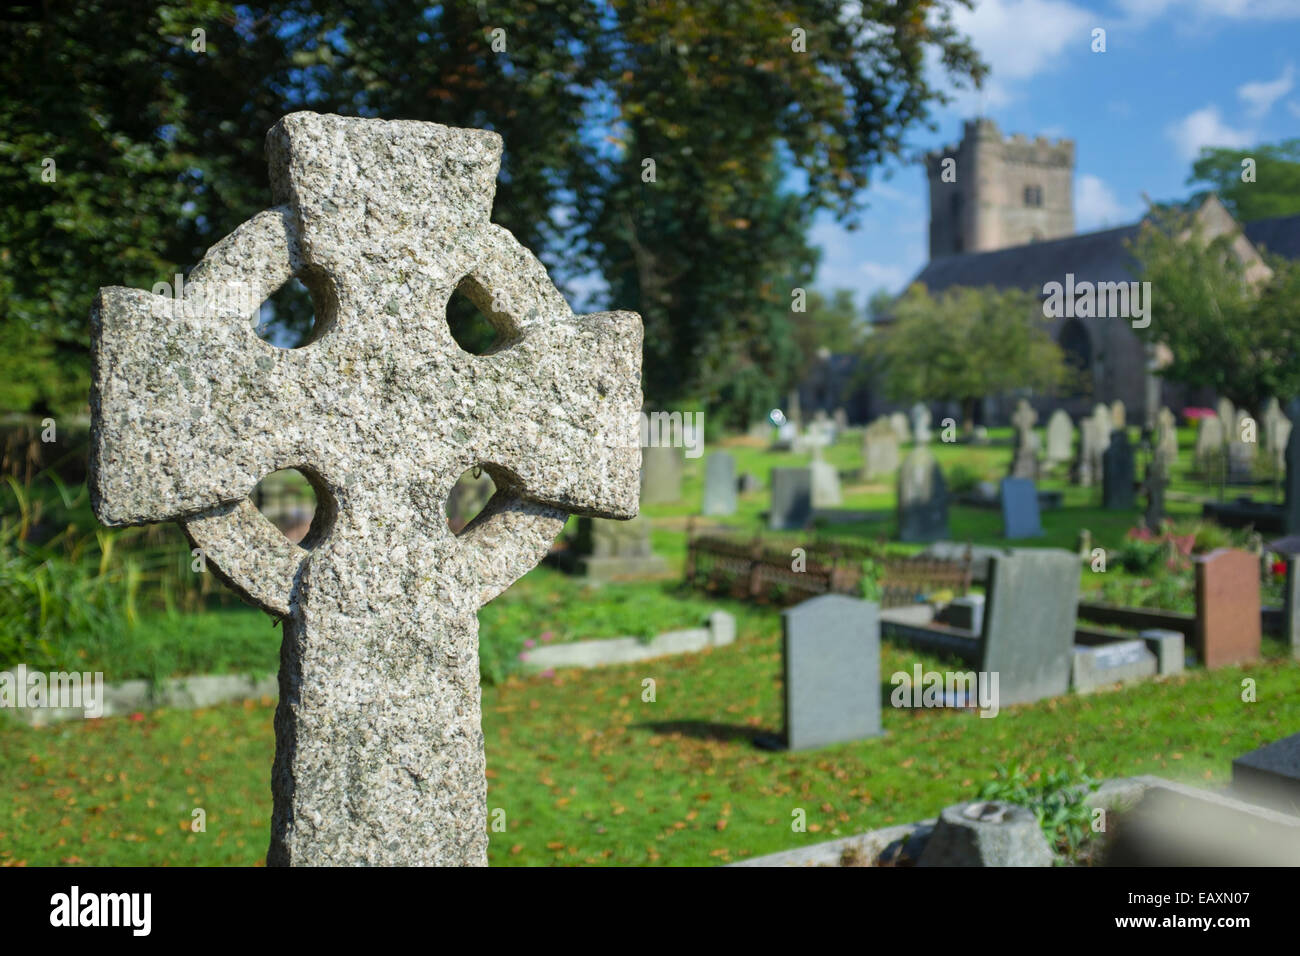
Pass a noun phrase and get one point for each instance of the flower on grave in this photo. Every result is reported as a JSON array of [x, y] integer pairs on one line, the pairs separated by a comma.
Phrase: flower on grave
[[530, 643], [546, 636], [549, 672], [1279, 569]]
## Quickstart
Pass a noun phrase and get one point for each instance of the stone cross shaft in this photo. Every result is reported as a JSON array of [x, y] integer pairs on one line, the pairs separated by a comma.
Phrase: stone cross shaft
[[379, 749]]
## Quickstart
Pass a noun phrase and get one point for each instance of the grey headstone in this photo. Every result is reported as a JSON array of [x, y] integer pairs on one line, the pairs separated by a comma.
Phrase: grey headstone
[[922, 498], [1117, 491], [1020, 509], [1105, 664], [1242, 450], [1270, 776], [831, 648], [1060, 437], [1227, 413], [879, 450], [661, 475], [986, 833], [1210, 439], [966, 612], [719, 484], [1118, 414], [791, 499], [825, 483], [1166, 440], [920, 416], [1169, 647], [1024, 463], [604, 548], [379, 745], [1032, 603], [898, 421], [748, 483], [1277, 432]]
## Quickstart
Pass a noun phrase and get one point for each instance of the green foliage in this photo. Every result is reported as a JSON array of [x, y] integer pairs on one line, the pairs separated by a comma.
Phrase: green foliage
[[872, 572], [1275, 190], [1226, 330], [832, 324], [962, 478], [963, 345], [1139, 556], [1058, 799]]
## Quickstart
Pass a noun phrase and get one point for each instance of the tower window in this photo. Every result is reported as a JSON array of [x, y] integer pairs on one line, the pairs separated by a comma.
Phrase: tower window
[[1033, 195]]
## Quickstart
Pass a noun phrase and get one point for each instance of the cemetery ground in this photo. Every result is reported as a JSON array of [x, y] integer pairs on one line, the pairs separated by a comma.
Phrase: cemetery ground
[[588, 772]]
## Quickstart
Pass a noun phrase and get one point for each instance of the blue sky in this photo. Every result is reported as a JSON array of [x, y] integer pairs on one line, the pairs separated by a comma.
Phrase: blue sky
[[1176, 75]]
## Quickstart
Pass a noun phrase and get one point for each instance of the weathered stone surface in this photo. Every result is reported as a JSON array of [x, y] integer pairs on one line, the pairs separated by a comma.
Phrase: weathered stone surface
[[831, 648], [791, 499], [986, 833], [1032, 602], [379, 748], [719, 484], [1227, 608], [922, 498]]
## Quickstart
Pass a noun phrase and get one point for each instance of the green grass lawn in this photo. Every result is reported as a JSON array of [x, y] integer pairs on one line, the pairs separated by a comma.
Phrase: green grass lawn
[[587, 772]]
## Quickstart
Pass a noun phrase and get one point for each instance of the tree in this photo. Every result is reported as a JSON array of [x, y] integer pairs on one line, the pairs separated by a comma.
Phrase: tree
[[833, 324], [1230, 330], [963, 345], [1271, 188]]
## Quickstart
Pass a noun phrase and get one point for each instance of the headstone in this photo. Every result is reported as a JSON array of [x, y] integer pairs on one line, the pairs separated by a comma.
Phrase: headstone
[[920, 424], [879, 450], [661, 475], [986, 833], [831, 647], [966, 611], [1242, 453], [841, 418], [1169, 648], [1291, 606], [823, 427], [1033, 598], [1154, 486], [1227, 608], [1227, 414], [1277, 431], [1085, 470], [825, 482], [1020, 517], [1124, 662], [1118, 414], [1291, 483], [791, 499], [379, 746], [748, 483], [1060, 437], [786, 436], [1270, 775], [1117, 476], [719, 484], [794, 413], [603, 549], [1210, 439], [922, 498], [1166, 440], [898, 421], [1025, 462]]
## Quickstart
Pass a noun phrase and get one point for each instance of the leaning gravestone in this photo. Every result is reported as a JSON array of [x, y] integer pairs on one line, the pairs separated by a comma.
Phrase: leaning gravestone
[[719, 484], [379, 748], [791, 508], [922, 498], [1118, 475], [1060, 437], [831, 648], [1029, 618], [661, 475], [1020, 518], [879, 450]]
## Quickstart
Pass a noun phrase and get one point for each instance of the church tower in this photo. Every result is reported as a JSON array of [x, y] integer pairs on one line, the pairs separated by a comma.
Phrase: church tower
[[991, 192]]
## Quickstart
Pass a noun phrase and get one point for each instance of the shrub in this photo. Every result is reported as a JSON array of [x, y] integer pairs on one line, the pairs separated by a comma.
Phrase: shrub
[[1057, 799]]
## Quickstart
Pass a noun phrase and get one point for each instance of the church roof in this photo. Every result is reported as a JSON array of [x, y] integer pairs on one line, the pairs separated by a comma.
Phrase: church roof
[[1092, 257], [1279, 235]]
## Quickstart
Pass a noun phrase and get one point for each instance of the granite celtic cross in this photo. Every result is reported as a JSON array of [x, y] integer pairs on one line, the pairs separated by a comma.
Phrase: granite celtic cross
[[379, 749]]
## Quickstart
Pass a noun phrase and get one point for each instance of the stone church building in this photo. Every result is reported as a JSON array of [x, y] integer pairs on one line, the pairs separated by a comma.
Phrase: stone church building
[[1002, 214]]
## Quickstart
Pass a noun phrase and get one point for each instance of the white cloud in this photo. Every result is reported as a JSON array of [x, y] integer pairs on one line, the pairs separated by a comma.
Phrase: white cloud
[[876, 274], [1205, 128], [1259, 97], [1096, 206], [1146, 10]]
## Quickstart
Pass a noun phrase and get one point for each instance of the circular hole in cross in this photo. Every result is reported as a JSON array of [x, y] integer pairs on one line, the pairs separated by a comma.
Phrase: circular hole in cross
[[288, 501], [471, 493]]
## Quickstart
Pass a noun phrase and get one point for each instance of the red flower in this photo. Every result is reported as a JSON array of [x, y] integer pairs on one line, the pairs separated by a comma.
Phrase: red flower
[[1279, 569]]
